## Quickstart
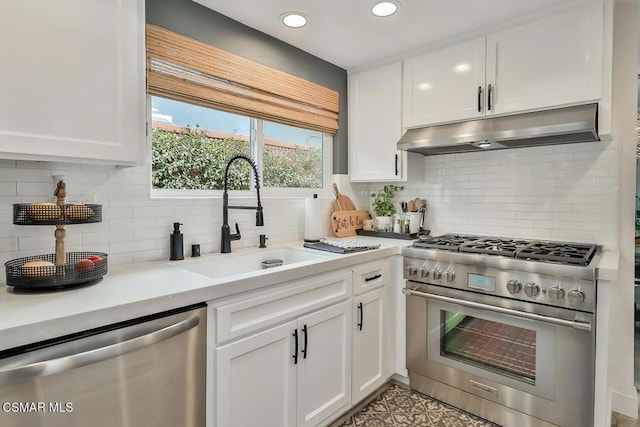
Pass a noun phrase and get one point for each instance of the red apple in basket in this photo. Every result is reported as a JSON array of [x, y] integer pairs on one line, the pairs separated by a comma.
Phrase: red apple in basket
[[97, 261], [84, 265]]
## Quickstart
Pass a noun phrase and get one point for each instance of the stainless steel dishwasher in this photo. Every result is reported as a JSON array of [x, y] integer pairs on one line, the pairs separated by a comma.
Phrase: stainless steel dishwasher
[[145, 372]]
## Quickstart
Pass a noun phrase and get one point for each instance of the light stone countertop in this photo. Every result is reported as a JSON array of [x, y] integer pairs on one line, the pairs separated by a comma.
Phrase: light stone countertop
[[134, 290]]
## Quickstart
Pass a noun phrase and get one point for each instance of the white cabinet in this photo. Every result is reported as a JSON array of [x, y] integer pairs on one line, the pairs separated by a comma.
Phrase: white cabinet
[[369, 362], [375, 115], [255, 380], [282, 355], [72, 80], [443, 85], [324, 364], [549, 62], [295, 374]]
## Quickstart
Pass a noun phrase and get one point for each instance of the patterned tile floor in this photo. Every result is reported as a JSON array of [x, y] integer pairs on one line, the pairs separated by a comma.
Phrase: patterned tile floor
[[398, 406]]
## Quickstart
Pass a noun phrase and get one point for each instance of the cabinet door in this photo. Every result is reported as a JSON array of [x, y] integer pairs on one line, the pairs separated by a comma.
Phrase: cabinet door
[[256, 380], [324, 368], [375, 125], [444, 85], [369, 344], [72, 80], [548, 62]]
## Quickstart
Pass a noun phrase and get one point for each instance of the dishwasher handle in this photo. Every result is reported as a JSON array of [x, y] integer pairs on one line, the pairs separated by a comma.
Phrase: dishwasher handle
[[65, 363], [583, 326]]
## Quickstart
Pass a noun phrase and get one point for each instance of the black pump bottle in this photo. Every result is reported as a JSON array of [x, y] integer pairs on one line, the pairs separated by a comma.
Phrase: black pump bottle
[[177, 247]]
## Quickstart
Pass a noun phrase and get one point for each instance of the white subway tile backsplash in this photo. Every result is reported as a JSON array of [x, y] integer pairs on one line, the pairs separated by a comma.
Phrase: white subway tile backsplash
[[551, 192]]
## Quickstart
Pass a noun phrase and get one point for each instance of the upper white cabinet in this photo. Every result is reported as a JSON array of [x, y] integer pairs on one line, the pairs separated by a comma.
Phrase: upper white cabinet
[[549, 62], [446, 84], [72, 81], [375, 116], [553, 61]]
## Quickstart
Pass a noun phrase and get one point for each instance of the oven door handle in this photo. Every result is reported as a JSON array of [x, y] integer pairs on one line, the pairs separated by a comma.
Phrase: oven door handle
[[583, 326]]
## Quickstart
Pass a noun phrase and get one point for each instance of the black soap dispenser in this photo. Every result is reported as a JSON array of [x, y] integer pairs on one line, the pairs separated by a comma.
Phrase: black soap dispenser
[[177, 247]]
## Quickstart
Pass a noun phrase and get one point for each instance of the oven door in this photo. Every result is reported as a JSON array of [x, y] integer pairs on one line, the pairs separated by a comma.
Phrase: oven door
[[536, 364]]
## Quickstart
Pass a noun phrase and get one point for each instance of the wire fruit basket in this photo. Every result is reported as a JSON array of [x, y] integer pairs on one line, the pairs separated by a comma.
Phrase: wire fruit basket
[[79, 268]]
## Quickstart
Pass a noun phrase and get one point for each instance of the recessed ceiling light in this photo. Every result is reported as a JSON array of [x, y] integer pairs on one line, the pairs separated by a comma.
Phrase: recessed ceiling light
[[384, 8], [294, 19], [484, 144]]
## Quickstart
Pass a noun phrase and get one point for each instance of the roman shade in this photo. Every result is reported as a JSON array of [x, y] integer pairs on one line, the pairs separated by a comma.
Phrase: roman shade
[[187, 70]]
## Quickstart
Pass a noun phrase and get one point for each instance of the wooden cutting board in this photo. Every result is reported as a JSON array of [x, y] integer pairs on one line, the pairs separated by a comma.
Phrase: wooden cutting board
[[342, 202], [345, 223]]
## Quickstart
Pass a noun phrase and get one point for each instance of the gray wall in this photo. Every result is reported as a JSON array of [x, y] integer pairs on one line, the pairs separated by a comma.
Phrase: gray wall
[[200, 23]]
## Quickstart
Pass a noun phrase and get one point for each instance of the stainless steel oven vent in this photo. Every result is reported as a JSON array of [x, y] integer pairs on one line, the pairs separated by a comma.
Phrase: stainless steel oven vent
[[556, 126]]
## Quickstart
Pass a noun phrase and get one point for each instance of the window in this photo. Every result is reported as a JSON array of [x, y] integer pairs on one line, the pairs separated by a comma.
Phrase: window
[[208, 104], [191, 146]]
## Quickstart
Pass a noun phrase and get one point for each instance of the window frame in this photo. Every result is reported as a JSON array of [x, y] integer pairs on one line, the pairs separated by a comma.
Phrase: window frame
[[257, 150]]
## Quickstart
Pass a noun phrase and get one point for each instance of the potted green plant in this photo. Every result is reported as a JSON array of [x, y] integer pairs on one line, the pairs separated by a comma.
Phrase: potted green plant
[[383, 206]]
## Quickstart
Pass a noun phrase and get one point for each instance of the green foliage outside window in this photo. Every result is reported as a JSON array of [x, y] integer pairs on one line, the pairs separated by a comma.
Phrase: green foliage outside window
[[192, 160]]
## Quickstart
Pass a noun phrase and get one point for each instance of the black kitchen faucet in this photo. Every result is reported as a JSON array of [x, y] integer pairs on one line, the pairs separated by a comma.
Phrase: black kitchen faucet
[[227, 237]]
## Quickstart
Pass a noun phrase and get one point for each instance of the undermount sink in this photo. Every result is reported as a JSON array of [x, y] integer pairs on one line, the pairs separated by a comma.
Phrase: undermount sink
[[224, 265]]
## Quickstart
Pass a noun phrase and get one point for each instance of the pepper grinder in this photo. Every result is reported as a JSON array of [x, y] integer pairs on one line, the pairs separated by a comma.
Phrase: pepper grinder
[[177, 247]]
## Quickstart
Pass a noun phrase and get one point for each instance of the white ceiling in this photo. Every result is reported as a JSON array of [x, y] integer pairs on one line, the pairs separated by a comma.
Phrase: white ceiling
[[345, 33]]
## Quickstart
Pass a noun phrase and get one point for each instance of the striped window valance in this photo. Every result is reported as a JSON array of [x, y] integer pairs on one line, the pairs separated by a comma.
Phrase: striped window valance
[[184, 69]]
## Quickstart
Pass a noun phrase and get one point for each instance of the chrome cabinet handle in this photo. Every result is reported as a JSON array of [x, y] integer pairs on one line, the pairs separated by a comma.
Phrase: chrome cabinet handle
[[583, 326], [66, 363]]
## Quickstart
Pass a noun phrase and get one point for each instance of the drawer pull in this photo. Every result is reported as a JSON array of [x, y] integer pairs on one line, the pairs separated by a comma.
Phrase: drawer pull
[[377, 276]]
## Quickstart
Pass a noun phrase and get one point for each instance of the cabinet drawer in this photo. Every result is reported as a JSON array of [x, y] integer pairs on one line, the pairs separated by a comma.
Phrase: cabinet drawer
[[247, 313], [370, 276]]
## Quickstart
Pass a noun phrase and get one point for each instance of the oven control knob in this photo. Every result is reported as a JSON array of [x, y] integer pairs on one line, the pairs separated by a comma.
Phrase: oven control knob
[[531, 289], [412, 270], [576, 297], [437, 274], [514, 286], [424, 273], [556, 293], [451, 276]]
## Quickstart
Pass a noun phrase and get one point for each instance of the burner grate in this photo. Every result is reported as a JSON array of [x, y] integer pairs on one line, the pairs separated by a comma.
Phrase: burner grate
[[566, 253], [533, 250], [494, 246]]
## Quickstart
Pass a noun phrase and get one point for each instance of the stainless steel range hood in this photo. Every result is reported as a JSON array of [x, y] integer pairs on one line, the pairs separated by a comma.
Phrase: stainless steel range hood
[[557, 126]]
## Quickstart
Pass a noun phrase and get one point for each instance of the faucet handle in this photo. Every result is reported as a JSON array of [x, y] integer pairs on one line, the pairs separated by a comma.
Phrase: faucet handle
[[263, 241], [236, 236]]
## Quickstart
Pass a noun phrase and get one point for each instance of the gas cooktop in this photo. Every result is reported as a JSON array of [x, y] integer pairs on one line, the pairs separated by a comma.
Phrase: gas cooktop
[[534, 250]]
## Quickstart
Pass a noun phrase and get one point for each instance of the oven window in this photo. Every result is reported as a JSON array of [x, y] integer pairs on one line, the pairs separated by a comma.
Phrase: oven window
[[497, 347]]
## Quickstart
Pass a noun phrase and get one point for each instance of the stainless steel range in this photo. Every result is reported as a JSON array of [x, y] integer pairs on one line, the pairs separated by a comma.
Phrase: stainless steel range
[[503, 328]]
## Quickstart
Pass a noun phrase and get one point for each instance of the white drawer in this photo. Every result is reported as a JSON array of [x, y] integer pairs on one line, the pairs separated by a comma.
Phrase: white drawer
[[371, 275], [250, 312]]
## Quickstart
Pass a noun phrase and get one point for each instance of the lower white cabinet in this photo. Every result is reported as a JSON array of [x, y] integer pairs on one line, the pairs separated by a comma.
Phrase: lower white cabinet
[[297, 373], [369, 335]]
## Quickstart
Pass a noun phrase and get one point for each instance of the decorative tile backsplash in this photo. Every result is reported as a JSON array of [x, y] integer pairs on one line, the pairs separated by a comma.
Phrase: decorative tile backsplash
[[565, 192]]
